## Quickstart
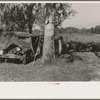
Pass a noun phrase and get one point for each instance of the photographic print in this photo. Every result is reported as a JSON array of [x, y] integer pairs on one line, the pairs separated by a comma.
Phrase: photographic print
[[49, 49], [49, 42]]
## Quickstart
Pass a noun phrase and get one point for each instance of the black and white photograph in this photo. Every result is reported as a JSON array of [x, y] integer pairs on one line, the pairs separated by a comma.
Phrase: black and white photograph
[[42, 42], [49, 49]]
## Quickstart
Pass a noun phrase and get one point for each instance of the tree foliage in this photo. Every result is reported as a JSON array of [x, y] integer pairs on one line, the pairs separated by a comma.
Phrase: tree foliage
[[61, 12], [19, 15], [96, 29]]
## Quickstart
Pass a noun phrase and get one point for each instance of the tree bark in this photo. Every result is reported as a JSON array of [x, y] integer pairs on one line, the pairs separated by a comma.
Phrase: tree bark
[[48, 47]]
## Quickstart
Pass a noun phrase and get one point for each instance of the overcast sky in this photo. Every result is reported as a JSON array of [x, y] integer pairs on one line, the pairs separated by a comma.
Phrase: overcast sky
[[88, 15]]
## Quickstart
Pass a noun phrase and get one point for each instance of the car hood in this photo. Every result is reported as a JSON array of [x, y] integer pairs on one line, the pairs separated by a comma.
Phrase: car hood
[[22, 44]]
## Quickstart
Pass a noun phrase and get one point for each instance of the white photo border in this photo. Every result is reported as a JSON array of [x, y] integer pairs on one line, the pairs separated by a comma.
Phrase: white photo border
[[44, 90]]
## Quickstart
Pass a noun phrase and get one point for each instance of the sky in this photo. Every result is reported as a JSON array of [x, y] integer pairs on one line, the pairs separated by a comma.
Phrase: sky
[[88, 15]]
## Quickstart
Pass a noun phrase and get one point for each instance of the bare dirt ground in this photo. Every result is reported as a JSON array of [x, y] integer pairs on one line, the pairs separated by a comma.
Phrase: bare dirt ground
[[87, 69]]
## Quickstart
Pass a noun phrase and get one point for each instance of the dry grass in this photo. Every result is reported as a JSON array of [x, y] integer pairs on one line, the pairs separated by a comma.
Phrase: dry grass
[[81, 37], [87, 69], [60, 70]]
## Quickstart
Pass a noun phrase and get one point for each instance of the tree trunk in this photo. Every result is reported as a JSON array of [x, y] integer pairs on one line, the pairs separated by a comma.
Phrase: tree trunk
[[30, 28], [35, 41], [48, 47], [31, 39]]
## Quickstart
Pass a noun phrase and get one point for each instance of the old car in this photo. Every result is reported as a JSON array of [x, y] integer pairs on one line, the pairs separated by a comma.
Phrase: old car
[[19, 50]]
